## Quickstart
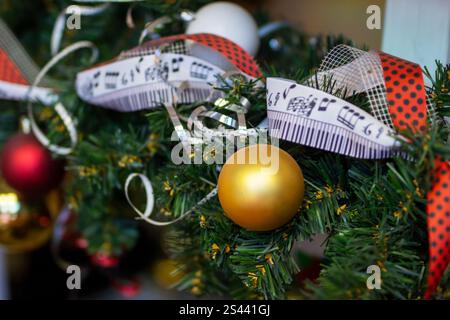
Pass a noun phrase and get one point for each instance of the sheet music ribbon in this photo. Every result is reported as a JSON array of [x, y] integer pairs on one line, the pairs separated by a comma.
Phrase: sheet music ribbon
[[397, 97]]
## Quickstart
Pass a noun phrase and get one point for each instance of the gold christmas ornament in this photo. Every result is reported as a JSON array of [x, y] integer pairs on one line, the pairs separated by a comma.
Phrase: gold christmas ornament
[[261, 187], [24, 225], [166, 273]]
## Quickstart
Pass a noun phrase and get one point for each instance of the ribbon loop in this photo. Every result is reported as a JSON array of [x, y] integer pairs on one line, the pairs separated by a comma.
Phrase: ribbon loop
[[382, 78], [150, 27], [397, 97], [60, 23], [151, 200], [59, 107], [320, 120]]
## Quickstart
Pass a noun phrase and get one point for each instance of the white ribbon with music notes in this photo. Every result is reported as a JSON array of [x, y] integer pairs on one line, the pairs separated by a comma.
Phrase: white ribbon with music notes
[[314, 118]]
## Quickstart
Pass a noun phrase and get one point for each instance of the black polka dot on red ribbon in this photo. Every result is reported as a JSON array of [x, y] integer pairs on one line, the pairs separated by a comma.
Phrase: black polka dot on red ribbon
[[9, 71], [405, 93], [406, 96], [237, 56], [230, 50], [438, 212]]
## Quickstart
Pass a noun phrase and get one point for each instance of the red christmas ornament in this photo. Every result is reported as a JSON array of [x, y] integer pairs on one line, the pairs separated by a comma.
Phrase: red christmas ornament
[[28, 167], [127, 287], [103, 260]]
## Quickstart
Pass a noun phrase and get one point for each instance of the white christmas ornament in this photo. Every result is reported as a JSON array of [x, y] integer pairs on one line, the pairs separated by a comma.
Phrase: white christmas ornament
[[228, 20]]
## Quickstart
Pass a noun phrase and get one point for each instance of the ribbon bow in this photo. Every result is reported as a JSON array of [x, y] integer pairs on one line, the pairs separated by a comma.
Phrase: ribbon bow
[[168, 71], [20, 79], [17, 71], [147, 76], [397, 97]]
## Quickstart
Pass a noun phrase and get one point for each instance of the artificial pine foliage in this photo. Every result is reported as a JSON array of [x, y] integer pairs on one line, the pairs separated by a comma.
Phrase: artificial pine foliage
[[373, 211]]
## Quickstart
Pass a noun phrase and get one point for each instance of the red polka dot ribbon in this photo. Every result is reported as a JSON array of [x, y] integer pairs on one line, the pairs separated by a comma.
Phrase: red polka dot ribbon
[[9, 72], [407, 106], [230, 50], [438, 212]]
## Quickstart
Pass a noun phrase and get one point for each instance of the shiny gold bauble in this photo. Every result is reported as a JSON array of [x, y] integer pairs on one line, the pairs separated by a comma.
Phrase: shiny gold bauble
[[24, 224], [261, 187], [166, 273]]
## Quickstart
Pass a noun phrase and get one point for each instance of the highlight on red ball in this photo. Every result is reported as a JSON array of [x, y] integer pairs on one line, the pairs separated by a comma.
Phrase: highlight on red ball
[[28, 167]]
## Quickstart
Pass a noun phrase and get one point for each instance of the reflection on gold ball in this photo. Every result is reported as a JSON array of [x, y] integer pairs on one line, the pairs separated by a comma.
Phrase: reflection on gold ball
[[261, 187], [23, 225]]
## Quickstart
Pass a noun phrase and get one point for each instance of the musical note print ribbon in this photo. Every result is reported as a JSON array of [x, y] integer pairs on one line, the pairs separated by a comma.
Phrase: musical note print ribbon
[[148, 75], [397, 97], [141, 82], [320, 120]]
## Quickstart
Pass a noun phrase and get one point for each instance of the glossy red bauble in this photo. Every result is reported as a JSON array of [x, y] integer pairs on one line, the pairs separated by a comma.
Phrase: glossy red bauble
[[128, 288], [28, 167], [103, 260]]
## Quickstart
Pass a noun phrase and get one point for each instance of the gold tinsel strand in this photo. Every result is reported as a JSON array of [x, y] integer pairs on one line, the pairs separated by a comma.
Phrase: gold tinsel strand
[[152, 143], [306, 204], [397, 214], [196, 291], [170, 189], [319, 195], [253, 279], [87, 171], [166, 212], [269, 258], [202, 221], [341, 209], [214, 250], [261, 269], [127, 160]]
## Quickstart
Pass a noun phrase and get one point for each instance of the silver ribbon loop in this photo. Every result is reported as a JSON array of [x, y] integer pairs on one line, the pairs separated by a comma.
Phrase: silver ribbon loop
[[226, 120], [239, 126], [199, 133], [60, 23], [150, 27], [196, 131], [129, 19], [151, 201], [59, 107]]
